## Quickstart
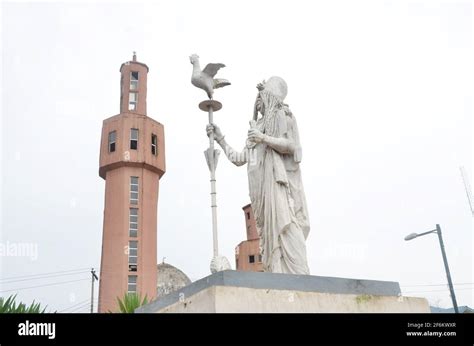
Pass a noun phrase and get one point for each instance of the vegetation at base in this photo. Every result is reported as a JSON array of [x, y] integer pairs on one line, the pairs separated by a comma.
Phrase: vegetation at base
[[363, 298], [130, 302], [10, 306]]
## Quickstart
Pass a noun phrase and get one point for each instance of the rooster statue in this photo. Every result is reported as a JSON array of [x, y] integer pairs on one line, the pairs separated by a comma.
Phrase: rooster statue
[[204, 79]]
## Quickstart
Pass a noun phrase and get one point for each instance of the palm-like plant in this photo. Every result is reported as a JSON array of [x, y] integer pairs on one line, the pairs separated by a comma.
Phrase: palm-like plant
[[130, 302], [9, 305]]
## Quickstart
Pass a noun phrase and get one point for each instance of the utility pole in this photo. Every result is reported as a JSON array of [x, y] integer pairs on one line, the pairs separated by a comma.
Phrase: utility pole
[[93, 277]]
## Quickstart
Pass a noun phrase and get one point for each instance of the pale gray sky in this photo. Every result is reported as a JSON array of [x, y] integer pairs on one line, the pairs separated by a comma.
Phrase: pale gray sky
[[382, 92]]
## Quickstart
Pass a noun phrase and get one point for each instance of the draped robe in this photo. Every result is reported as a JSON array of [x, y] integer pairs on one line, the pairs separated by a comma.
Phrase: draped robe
[[277, 195]]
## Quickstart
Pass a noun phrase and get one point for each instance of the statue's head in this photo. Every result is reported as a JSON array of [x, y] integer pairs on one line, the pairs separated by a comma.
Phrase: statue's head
[[194, 58], [271, 93], [275, 86]]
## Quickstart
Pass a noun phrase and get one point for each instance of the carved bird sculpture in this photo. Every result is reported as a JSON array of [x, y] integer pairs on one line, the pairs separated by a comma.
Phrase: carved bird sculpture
[[204, 79]]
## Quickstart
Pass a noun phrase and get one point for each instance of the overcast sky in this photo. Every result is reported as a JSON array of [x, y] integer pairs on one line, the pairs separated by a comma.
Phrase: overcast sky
[[382, 92]]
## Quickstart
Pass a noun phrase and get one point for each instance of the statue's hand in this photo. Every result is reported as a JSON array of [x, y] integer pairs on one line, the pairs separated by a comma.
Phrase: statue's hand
[[255, 135], [217, 131]]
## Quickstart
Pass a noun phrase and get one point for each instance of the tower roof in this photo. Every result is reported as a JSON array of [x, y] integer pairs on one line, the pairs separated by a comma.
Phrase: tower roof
[[134, 61], [246, 206]]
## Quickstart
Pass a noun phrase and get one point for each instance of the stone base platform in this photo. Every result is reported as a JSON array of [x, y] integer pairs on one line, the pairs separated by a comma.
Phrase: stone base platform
[[238, 291]]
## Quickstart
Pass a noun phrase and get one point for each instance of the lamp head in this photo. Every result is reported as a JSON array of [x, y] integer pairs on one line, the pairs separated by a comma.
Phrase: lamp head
[[411, 236]]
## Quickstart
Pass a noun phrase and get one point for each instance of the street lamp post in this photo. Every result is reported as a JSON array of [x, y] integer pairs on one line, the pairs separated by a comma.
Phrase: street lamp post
[[445, 260]]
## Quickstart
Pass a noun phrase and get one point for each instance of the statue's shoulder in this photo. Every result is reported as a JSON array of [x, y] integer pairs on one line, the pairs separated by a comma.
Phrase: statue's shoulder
[[289, 119]]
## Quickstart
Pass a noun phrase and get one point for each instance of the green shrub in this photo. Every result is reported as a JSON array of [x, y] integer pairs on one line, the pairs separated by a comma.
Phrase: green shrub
[[130, 302], [10, 306]]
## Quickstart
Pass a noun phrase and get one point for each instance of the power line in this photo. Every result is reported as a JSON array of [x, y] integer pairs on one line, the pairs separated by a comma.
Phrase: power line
[[457, 289], [467, 187], [429, 285], [43, 277], [63, 271], [76, 304], [80, 307], [83, 309], [52, 284]]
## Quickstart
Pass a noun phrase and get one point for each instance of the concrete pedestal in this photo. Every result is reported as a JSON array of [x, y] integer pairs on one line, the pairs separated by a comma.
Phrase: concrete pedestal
[[238, 291]]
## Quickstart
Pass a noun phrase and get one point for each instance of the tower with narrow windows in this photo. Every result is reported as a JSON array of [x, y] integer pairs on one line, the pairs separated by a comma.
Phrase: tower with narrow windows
[[132, 161], [247, 253]]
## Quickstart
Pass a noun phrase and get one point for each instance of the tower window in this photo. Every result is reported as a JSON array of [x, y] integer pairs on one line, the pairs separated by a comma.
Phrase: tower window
[[132, 101], [251, 259], [133, 190], [260, 258], [134, 139], [248, 215], [112, 138], [132, 284], [132, 255], [121, 93], [133, 218], [133, 80], [154, 144]]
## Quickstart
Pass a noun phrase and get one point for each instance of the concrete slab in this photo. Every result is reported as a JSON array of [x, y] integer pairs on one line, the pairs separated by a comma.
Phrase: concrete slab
[[239, 291]]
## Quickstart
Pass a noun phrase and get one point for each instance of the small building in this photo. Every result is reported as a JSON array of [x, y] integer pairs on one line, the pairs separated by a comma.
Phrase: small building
[[462, 310], [247, 253]]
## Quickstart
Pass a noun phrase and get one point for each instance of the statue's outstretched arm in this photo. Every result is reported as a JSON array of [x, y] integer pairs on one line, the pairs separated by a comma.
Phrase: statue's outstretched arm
[[237, 158]]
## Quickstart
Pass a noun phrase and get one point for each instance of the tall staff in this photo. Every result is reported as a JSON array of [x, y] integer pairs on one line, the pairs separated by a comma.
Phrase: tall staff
[[212, 156], [204, 79]]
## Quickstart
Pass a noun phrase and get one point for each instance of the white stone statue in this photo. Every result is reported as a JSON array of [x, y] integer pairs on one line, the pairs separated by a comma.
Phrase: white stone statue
[[273, 154]]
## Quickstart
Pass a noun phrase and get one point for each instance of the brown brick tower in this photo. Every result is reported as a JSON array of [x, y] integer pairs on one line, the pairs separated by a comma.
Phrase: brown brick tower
[[247, 253], [132, 161]]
